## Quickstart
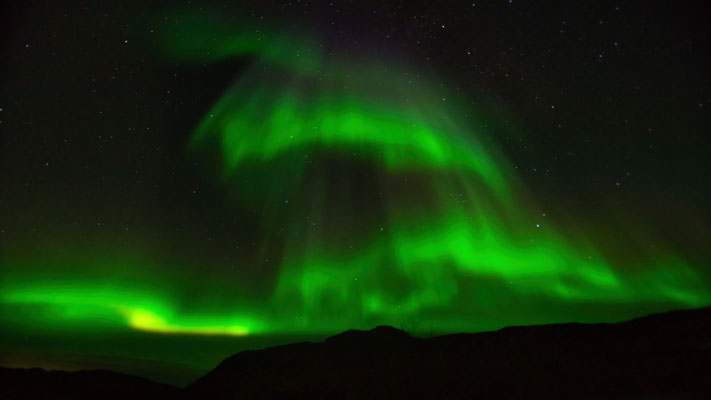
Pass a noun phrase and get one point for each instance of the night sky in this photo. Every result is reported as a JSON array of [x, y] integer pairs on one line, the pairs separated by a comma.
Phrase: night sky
[[181, 180]]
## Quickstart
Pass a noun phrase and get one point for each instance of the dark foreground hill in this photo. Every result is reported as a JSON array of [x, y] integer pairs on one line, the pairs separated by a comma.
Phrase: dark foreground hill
[[664, 356], [38, 384]]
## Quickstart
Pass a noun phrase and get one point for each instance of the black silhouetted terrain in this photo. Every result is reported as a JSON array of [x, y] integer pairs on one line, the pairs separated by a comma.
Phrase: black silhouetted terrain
[[38, 384], [664, 355], [659, 356]]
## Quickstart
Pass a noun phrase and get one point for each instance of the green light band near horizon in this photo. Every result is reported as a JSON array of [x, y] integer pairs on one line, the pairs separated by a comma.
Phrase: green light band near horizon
[[451, 240]]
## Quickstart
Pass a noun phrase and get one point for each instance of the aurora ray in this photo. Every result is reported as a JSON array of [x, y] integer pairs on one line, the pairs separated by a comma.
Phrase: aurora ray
[[448, 234]]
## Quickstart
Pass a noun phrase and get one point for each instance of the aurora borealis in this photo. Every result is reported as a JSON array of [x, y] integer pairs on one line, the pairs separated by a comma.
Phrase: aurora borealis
[[291, 183]]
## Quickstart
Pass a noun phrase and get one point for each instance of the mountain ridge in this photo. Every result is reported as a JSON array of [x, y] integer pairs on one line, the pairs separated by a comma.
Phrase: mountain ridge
[[660, 355]]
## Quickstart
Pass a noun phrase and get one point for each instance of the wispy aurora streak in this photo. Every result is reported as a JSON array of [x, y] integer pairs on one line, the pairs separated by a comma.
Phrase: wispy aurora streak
[[447, 237]]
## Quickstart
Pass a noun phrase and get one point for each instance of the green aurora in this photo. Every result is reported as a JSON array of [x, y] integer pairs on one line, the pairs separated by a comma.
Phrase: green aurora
[[381, 199]]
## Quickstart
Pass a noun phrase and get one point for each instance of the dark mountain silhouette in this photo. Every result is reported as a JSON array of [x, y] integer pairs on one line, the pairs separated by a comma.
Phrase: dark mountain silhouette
[[38, 384], [664, 356]]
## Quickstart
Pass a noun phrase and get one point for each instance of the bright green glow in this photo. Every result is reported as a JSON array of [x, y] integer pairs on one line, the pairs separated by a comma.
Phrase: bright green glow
[[412, 273], [290, 117], [122, 305], [450, 239], [425, 258]]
